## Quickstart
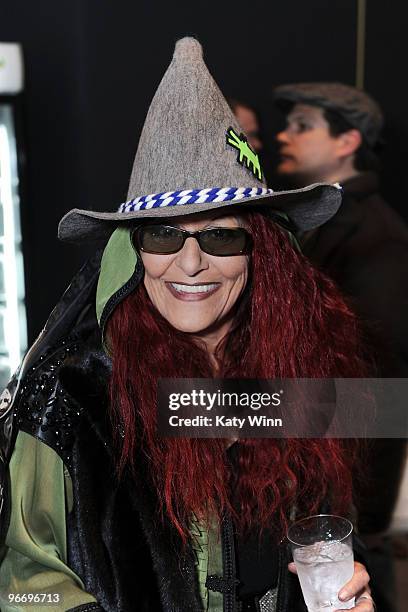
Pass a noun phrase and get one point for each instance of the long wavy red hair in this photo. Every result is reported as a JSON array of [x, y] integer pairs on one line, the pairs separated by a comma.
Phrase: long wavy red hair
[[292, 322]]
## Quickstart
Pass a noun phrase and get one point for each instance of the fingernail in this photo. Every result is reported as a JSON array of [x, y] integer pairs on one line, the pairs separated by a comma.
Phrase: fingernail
[[344, 595]]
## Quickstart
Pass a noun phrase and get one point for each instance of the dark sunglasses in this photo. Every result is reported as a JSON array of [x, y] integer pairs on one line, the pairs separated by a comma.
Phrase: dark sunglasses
[[165, 239]]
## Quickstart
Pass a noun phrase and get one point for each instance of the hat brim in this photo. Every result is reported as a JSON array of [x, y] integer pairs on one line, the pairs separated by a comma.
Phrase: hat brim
[[307, 208]]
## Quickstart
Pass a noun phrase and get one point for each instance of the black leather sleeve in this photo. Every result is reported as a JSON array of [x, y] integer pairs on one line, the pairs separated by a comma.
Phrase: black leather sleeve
[[27, 401], [46, 411]]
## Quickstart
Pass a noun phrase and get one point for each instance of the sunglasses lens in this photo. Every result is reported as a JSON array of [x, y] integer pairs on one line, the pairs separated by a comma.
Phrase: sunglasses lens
[[223, 241], [160, 239], [164, 239]]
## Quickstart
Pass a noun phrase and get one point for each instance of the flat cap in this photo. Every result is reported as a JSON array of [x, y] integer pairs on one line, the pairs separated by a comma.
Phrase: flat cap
[[353, 105]]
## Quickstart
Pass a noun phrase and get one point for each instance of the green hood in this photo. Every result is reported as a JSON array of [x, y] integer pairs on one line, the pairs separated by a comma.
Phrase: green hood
[[121, 272]]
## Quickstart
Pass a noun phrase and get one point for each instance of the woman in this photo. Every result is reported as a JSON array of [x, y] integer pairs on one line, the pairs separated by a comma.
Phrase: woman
[[104, 514]]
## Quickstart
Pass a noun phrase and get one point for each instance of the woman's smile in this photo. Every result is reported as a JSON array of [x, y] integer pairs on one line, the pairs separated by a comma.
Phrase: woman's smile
[[192, 292]]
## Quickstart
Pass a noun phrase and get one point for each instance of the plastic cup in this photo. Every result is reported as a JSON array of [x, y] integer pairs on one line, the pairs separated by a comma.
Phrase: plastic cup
[[323, 555]]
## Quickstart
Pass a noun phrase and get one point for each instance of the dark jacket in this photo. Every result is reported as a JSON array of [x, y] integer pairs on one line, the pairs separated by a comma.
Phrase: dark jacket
[[364, 249], [125, 557]]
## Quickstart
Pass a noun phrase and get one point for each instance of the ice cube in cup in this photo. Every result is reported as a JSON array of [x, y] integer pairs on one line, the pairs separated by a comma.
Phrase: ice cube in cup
[[323, 555], [323, 568]]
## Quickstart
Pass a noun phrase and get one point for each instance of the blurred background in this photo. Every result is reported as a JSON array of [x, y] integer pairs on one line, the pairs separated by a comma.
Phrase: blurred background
[[90, 71]]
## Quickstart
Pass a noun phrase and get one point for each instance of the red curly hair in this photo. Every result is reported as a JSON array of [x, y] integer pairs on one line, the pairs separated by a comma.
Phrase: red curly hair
[[293, 322]]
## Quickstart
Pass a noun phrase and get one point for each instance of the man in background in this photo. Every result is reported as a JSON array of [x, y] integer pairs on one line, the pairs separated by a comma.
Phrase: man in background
[[248, 120], [331, 134]]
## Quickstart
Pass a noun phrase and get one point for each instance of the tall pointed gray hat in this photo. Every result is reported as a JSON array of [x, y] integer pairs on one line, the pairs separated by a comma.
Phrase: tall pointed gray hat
[[192, 157]]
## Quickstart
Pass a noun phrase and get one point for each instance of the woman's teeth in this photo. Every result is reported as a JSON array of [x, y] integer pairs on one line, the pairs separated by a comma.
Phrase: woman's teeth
[[194, 288]]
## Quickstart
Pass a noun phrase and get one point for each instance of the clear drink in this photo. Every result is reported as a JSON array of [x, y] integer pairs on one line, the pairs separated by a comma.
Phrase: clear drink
[[323, 555], [323, 569]]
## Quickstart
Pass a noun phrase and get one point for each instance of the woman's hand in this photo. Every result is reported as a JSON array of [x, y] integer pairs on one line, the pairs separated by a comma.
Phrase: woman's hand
[[356, 587]]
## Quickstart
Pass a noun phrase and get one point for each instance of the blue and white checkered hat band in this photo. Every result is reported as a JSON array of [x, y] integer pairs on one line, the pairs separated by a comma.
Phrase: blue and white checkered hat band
[[192, 196]]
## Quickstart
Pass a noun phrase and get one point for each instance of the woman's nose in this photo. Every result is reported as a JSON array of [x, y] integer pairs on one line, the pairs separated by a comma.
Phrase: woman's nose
[[191, 259]]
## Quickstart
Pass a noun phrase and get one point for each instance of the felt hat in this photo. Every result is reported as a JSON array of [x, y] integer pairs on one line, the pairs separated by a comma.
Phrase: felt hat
[[193, 157]]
